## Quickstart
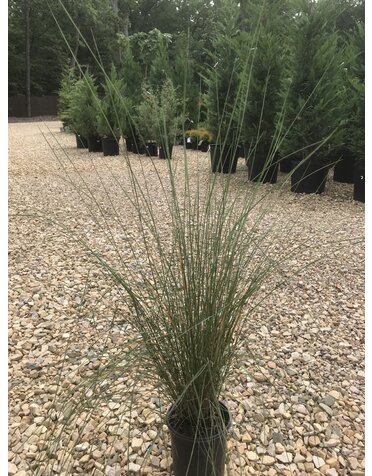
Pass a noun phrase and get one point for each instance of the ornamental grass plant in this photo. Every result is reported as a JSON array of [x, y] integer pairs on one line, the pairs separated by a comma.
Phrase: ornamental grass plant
[[186, 285]]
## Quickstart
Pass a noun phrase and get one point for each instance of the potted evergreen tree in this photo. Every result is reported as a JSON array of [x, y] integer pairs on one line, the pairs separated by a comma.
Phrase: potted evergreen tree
[[84, 111], [146, 120], [64, 98], [357, 113], [344, 154], [221, 100], [76, 122], [262, 108], [113, 112], [69, 111], [169, 119], [313, 112], [132, 77]]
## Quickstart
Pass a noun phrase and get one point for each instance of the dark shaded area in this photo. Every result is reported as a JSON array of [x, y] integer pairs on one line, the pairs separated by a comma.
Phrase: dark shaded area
[[40, 106]]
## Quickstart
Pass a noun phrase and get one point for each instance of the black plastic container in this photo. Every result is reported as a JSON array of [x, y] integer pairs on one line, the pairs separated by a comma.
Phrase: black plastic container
[[240, 151], [163, 152], [151, 149], [223, 158], [308, 176], [94, 144], [260, 169], [190, 143], [344, 169], [285, 165], [359, 181], [129, 143], [199, 456], [110, 147], [203, 146], [134, 144], [81, 142]]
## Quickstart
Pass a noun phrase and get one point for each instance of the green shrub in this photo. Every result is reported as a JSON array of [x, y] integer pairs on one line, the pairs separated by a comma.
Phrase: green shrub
[[84, 107], [112, 118], [146, 114], [158, 116], [65, 96], [169, 118], [200, 133]]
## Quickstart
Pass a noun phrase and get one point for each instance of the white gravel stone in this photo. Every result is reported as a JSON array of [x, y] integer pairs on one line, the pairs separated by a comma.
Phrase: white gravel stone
[[136, 444], [285, 457], [134, 468], [331, 472], [268, 460], [252, 456], [12, 469], [318, 462]]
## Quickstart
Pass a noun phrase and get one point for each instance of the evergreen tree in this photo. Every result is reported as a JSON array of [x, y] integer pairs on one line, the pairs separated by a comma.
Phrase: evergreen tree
[[355, 130], [114, 108], [65, 95], [84, 107], [130, 71], [263, 80], [184, 77], [314, 109], [223, 83]]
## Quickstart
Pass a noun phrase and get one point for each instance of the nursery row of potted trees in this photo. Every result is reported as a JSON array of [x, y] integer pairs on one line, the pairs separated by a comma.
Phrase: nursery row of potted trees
[[309, 112], [304, 111], [99, 120]]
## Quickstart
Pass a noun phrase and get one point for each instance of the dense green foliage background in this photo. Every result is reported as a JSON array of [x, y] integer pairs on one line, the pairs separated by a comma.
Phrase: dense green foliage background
[[190, 23]]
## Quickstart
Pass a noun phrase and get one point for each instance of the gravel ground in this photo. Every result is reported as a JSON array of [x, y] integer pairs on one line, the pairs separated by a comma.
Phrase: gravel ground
[[297, 404]]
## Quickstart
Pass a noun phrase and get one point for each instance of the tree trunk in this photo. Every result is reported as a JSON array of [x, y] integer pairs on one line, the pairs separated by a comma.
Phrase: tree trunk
[[126, 23], [115, 6], [27, 10], [243, 15]]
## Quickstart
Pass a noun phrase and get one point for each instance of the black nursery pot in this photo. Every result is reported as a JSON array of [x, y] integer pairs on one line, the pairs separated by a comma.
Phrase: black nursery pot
[[240, 151], [94, 144], [203, 146], [198, 456], [163, 152], [261, 170], [151, 149], [110, 147], [285, 165], [344, 169], [81, 142], [359, 182], [191, 143], [223, 158], [310, 176], [135, 144], [131, 142]]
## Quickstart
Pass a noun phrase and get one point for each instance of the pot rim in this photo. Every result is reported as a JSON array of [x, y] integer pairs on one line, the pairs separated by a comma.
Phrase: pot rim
[[215, 436]]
